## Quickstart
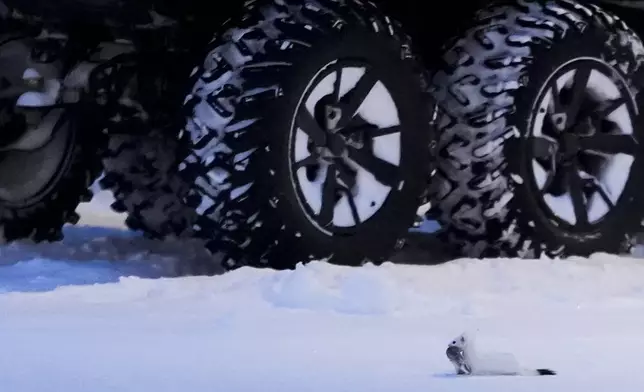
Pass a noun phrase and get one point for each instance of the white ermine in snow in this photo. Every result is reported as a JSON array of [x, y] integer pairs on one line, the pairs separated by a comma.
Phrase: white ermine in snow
[[468, 360]]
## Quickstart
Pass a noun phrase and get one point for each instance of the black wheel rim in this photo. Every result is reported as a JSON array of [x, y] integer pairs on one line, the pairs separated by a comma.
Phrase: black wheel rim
[[581, 143], [342, 145]]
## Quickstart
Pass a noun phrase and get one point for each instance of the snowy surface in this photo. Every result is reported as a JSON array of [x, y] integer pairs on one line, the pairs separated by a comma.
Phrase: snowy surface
[[101, 311]]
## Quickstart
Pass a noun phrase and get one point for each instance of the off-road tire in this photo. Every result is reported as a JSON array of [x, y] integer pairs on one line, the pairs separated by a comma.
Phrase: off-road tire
[[240, 115], [140, 171], [490, 79]]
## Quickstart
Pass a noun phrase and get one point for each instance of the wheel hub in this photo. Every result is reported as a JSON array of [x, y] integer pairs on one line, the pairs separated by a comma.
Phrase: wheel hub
[[338, 140], [569, 148]]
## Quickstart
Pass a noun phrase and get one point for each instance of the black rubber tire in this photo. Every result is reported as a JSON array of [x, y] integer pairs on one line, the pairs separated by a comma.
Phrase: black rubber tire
[[239, 121], [140, 171], [491, 77]]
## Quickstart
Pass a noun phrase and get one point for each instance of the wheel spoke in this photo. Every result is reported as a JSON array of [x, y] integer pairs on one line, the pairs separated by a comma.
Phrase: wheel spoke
[[307, 123], [609, 107], [329, 187], [311, 160], [352, 206], [550, 128], [370, 131], [580, 83], [347, 178], [594, 185], [548, 183], [577, 194], [353, 99], [543, 147], [556, 96], [337, 84], [384, 131], [550, 174], [385, 172], [609, 144]]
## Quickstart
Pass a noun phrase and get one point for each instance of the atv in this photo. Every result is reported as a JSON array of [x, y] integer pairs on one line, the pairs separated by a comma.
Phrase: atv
[[284, 131]]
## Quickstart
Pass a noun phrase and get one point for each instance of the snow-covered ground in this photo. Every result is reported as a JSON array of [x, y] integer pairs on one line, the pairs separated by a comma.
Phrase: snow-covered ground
[[101, 311]]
